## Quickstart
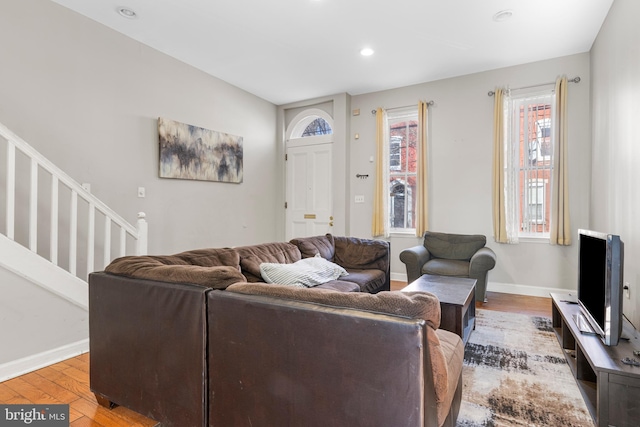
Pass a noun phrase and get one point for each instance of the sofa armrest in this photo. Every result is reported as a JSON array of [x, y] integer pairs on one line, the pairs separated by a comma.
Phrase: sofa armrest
[[481, 262], [414, 258], [148, 348]]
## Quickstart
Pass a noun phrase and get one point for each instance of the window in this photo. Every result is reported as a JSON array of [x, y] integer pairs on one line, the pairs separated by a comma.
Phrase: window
[[394, 152], [312, 124], [318, 126], [530, 162], [402, 132], [535, 213]]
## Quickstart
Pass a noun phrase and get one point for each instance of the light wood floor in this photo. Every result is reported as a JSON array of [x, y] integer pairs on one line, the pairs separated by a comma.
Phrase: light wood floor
[[68, 381]]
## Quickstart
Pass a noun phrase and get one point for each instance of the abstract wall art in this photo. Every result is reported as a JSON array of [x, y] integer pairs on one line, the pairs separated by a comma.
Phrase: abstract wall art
[[191, 152]]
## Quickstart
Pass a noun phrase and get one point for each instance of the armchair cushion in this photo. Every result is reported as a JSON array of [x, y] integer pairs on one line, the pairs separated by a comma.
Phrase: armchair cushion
[[453, 246], [446, 267]]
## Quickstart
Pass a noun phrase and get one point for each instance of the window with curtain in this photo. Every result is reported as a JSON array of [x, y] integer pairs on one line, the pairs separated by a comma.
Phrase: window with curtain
[[529, 148], [530, 179], [402, 134]]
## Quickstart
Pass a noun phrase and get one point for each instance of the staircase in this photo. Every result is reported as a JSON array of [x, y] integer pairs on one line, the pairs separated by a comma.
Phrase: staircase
[[53, 231]]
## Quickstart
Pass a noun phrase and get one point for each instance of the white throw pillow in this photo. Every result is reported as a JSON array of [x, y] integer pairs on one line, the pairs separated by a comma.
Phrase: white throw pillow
[[307, 272]]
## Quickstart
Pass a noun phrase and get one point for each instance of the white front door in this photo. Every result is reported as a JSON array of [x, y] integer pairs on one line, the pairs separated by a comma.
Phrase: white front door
[[308, 192]]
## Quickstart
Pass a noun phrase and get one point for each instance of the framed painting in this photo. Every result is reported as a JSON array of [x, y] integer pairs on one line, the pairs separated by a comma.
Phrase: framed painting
[[191, 152]]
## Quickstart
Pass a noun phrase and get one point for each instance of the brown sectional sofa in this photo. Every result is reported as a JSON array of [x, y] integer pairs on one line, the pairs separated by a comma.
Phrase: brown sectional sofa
[[192, 340]]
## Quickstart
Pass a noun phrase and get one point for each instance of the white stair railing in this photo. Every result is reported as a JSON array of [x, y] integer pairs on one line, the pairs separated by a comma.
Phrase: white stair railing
[[24, 163]]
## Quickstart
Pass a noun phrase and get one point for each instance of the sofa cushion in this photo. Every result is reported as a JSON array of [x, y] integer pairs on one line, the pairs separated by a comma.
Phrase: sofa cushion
[[252, 256], [310, 246], [413, 305], [306, 272], [453, 246], [354, 253], [453, 351], [367, 280], [340, 286], [215, 268], [446, 267], [210, 257]]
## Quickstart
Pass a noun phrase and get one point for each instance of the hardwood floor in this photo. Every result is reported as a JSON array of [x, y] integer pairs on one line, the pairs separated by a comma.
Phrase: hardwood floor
[[68, 381]]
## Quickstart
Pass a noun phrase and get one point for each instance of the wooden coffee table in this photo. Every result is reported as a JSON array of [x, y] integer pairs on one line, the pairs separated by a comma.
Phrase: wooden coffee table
[[457, 297]]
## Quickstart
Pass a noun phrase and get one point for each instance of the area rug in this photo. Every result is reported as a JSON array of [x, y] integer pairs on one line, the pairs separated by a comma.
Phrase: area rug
[[515, 374]]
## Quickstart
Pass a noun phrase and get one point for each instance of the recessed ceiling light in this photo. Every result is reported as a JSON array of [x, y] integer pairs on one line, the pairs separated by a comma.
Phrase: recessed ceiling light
[[367, 51], [127, 13], [503, 15]]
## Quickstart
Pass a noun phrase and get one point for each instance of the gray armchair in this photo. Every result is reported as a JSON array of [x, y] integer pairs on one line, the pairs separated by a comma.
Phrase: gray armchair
[[457, 255]]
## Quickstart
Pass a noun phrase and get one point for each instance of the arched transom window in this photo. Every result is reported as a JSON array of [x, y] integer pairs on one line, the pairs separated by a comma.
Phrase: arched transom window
[[317, 127], [311, 123]]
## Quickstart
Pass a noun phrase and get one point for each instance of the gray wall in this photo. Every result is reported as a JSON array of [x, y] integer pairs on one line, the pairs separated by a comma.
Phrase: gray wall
[[615, 181], [460, 148], [31, 322], [88, 99]]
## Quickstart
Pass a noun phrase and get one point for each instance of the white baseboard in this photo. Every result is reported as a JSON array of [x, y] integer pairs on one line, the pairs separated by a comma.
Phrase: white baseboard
[[402, 277], [34, 362], [507, 288], [533, 291]]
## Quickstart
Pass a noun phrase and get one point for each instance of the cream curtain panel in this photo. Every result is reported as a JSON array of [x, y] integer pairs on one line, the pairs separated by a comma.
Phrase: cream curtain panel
[[560, 233], [379, 223], [422, 202], [498, 173]]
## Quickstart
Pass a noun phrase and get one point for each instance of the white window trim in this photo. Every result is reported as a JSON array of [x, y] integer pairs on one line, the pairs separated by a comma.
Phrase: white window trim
[[514, 102], [397, 115]]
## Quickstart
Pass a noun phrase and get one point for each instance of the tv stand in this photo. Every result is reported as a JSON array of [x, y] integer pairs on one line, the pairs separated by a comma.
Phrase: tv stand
[[610, 388]]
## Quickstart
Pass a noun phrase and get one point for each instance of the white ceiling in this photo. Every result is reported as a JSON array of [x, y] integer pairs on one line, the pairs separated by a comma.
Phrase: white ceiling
[[292, 50]]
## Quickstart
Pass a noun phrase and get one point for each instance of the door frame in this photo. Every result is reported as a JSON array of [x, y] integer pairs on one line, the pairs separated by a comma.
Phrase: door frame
[[293, 139]]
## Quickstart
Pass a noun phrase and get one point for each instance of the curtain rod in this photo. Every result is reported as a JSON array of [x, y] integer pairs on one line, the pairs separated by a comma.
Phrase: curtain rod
[[406, 106], [573, 80]]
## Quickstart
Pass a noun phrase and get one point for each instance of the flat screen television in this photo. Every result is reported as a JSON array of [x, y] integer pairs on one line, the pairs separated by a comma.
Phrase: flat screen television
[[600, 282]]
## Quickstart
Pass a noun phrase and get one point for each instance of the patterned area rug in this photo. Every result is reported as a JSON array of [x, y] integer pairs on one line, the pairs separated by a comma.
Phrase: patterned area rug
[[515, 374]]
